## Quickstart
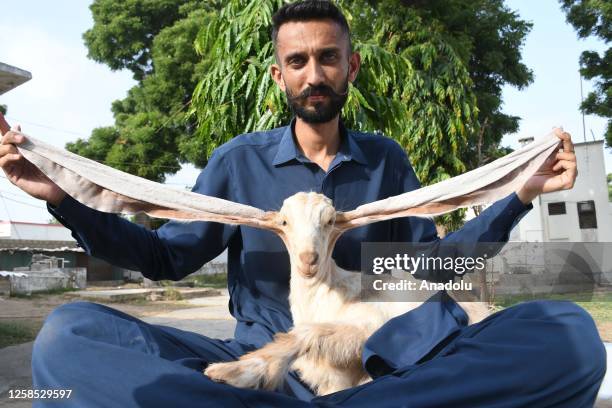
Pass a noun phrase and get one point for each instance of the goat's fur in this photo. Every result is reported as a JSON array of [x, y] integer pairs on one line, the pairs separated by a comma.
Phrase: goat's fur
[[331, 324]]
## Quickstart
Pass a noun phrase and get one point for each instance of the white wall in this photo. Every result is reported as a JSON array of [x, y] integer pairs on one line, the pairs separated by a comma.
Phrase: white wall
[[590, 184], [33, 231]]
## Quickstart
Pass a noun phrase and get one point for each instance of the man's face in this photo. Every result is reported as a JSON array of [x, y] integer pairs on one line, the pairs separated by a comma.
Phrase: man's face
[[314, 68]]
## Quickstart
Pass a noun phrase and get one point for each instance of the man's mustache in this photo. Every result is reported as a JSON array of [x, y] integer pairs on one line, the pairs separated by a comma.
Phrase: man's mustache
[[319, 90]]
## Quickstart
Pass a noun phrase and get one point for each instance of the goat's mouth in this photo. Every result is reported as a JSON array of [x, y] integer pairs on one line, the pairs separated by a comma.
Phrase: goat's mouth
[[308, 271]]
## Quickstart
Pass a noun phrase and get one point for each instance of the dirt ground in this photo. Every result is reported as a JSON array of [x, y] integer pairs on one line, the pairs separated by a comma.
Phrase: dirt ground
[[30, 313]]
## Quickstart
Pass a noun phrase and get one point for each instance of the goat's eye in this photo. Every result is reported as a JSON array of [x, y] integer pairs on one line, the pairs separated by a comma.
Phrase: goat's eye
[[284, 223], [330, 222]]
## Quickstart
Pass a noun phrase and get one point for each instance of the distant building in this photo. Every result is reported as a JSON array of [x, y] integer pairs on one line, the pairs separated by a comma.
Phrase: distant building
[[582, 214], [19, 241]]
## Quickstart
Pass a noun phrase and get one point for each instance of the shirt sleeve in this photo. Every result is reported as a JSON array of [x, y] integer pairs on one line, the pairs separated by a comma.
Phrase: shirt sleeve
[[171, 252], [493, 225]]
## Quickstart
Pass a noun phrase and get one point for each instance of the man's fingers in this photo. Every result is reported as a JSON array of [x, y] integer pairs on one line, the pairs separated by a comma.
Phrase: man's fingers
[[568, 146], [7, 149], [9, 159], [564, 165], [565, 156], [12, 137]]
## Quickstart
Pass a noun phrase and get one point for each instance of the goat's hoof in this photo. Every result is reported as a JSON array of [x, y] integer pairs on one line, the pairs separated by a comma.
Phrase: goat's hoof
[[242, 373]]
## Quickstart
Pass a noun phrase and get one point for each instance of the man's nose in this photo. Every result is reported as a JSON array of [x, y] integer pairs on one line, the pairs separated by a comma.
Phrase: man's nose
[[316, 75], [309, 257]]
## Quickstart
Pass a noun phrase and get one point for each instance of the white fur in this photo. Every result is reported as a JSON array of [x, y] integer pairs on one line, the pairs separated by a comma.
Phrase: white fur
[[331, 324]]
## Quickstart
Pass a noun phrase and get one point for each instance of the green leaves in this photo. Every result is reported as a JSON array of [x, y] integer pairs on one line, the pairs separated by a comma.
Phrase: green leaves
[[431, 75], [594, 18], [413, 86]]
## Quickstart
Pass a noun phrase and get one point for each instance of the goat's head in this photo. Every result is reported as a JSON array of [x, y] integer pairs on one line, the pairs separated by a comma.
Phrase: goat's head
[[306, 224]]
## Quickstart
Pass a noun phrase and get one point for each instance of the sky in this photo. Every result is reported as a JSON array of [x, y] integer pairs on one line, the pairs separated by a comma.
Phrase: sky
[[69, 94]]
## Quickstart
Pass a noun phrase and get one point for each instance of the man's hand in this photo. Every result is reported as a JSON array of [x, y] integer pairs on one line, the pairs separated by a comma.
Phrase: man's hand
[[24, 174], [558, 172]]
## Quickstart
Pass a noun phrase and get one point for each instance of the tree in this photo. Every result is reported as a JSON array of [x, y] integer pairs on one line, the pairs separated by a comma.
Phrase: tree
[[154, 39], [432, 79], [414, 86], [594, 18]]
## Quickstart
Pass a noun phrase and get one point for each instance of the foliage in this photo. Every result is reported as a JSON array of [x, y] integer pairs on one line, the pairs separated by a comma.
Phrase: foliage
[[160, 53], [431, 79], [414, 85], [488, 37], [594, 18]]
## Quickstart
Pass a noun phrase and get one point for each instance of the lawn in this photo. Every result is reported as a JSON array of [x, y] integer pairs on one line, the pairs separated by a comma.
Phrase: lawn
[[18, 331], [598, 304]]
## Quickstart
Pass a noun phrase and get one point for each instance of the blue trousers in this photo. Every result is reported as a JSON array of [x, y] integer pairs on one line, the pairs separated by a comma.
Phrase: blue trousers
[[535, 354]]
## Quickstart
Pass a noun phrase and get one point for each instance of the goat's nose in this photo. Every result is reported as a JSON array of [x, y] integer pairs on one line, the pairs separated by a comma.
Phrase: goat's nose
[[309, 258]]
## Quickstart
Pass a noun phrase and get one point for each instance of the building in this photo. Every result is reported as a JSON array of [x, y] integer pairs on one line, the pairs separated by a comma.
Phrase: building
[[582, 214], [20, 241]]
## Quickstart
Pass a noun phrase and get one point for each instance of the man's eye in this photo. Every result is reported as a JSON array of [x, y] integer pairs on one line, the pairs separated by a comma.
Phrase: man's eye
[[329, 56]]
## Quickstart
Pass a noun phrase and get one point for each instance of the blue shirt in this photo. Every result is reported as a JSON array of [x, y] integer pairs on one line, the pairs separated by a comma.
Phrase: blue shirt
[[262, 169]]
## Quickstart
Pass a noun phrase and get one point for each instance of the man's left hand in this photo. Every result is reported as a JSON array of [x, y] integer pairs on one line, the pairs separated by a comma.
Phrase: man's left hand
[[558, 172]]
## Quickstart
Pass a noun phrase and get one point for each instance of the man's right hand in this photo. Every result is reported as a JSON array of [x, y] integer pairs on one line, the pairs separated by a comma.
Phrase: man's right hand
[[24, 174]]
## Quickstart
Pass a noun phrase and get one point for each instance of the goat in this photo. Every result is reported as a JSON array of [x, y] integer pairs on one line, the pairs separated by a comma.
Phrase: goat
[[331, 323], [325, 343]]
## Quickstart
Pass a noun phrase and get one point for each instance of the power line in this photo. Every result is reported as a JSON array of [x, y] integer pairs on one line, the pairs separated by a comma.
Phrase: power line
[[19, 202], [13, 119], [25, 196]]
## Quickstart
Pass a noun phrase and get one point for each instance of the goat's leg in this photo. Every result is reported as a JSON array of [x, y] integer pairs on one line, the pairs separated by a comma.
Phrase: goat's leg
[[339, 344], [263, 368]]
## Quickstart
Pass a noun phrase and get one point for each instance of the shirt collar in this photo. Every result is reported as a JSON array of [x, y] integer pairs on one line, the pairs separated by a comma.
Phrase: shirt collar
[[288, 150]]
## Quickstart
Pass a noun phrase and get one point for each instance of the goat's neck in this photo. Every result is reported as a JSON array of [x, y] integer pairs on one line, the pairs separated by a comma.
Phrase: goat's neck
[[327, 290]]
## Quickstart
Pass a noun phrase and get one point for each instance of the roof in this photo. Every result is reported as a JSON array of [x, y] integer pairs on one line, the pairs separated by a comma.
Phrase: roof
[[11, 77], [38, 245], [600, 141], [46, 224]]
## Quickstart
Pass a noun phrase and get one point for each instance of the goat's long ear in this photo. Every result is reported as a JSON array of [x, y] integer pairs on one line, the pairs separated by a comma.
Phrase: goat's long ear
[[483, 185], [110, 190]]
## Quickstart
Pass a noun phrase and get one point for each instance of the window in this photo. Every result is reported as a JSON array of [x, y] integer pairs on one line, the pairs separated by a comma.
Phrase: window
[[556, 208], [586, 214]]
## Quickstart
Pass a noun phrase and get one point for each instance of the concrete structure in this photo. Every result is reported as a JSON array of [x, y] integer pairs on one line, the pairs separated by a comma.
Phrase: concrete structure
[[15, 230], [564, 244], [19, 241], [582, 214]]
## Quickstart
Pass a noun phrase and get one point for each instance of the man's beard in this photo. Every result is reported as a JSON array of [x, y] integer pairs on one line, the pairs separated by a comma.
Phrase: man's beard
[[323, 111]]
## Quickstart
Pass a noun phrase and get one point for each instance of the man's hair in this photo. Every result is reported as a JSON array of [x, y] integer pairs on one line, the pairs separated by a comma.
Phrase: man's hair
[[306, 11]]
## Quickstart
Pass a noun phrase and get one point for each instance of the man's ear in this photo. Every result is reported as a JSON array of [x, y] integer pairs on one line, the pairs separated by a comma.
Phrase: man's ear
[[354, 65], [277, 76]]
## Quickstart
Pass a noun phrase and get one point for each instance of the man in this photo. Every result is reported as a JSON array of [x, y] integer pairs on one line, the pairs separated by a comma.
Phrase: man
[[535, 354]]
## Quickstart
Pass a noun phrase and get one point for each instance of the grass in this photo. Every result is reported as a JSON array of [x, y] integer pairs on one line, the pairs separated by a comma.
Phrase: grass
[[217, 281], [17, 332], [598, 304], [42, 293]]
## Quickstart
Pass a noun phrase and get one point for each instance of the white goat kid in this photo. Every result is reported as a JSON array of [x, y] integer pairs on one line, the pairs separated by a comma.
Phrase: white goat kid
[[331, 324]]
